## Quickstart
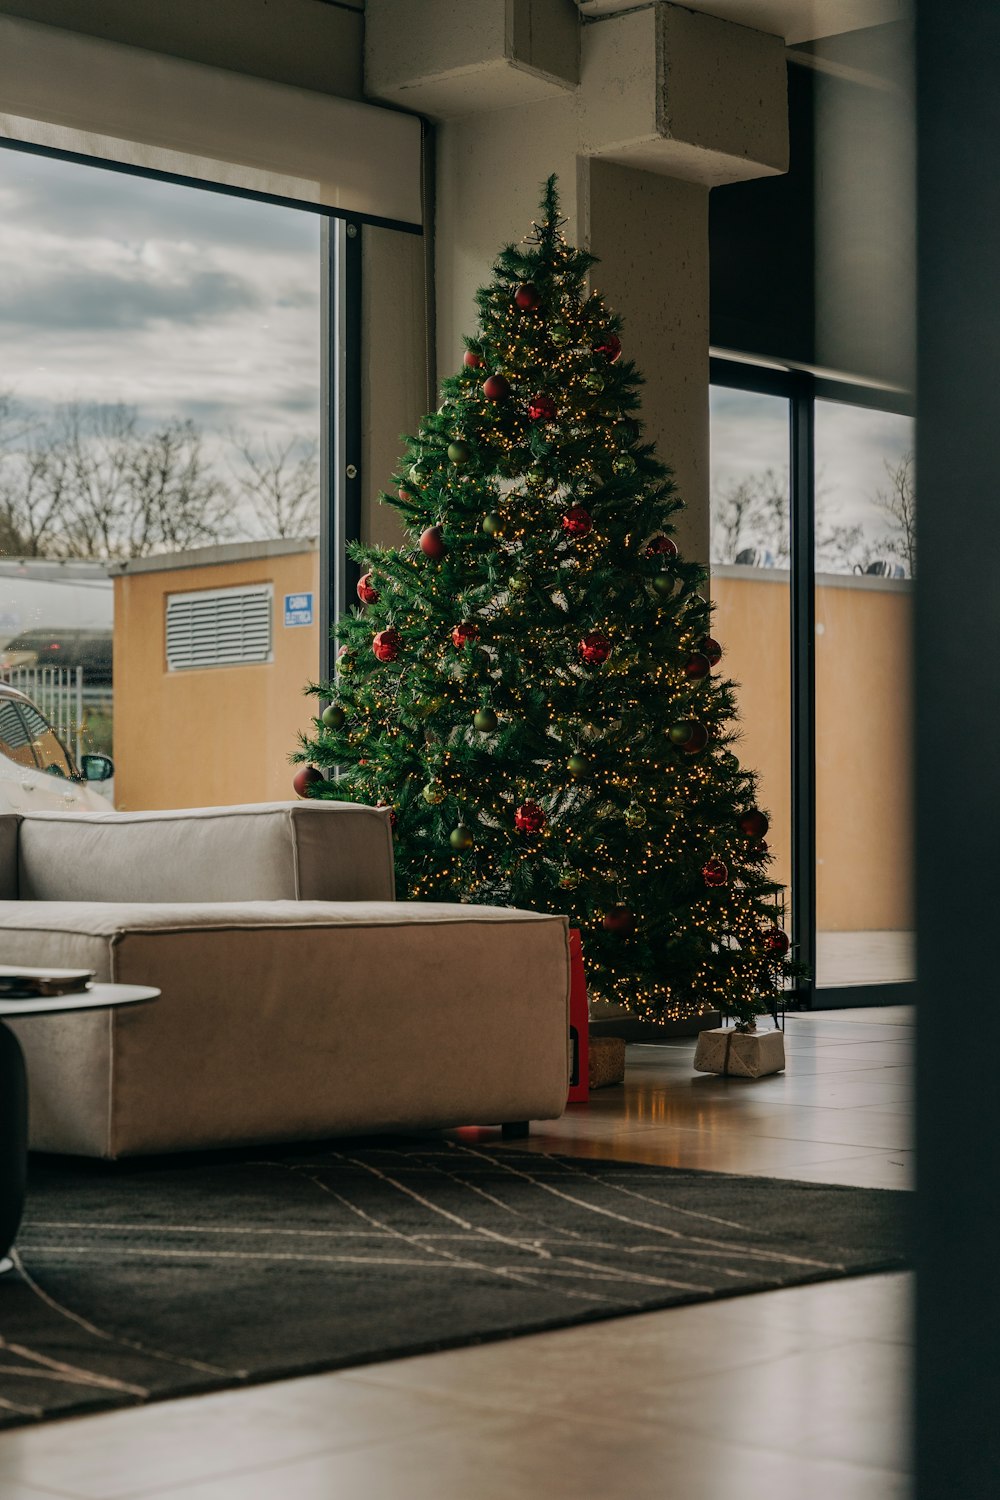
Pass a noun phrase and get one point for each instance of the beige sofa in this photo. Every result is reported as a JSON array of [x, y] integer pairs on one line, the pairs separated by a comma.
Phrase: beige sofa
[[299, 999]]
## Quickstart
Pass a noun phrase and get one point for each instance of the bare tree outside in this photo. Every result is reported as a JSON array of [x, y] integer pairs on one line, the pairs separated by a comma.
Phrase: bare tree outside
[[95, 482], [899, 503], [752, 513], [280, 481]]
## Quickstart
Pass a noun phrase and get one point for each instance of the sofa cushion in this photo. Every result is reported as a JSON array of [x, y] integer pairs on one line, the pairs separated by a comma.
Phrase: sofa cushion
[[292, 1020], [320, 851]]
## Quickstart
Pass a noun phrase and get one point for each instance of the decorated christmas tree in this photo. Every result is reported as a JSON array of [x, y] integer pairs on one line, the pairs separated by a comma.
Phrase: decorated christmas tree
[[531, 684]]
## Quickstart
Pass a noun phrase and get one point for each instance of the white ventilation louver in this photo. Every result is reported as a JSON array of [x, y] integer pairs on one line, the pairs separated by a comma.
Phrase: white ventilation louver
[[219, 627]]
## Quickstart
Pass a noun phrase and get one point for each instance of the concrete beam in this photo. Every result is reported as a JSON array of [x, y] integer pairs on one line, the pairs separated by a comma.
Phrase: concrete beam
[[685, 94], [448, 60]]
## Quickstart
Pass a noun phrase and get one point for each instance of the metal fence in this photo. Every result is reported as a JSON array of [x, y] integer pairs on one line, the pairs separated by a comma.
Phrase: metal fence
[[59, 694]]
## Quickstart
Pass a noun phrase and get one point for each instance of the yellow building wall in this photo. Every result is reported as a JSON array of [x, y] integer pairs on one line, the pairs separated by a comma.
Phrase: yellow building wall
[[863, 740], [218, 735]]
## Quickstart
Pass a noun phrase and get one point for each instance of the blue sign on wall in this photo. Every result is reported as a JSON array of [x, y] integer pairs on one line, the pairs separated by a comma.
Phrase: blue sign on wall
[[298, 609]]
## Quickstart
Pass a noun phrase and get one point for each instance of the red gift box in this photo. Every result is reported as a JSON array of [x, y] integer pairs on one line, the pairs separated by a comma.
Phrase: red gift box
[[579, 1018]]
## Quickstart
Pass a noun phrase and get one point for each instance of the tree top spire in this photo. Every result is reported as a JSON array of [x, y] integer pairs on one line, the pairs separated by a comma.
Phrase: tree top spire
[[551, 219]]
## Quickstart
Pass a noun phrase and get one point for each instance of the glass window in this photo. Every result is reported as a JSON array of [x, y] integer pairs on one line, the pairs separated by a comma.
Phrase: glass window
[[865, 562], [49, 753], [15, 741], [160, 402]]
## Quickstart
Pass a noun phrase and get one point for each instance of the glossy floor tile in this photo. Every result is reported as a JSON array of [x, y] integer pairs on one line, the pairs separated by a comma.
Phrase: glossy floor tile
[[787, 1394]]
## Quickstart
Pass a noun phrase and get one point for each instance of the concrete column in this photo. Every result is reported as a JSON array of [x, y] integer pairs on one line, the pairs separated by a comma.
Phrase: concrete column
[[669, 103], [651, 234]]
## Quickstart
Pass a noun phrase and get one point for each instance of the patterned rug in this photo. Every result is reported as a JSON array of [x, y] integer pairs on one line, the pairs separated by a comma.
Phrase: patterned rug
[[138, 1282]]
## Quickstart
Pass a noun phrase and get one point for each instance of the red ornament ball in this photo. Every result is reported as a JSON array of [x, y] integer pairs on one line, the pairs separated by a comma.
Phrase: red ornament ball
[[777, 942], [496, 388], [577, 521], [754, 824], [432, 542], [757, 852], [610, 346], [304, 778], [698, 740], [467, 631], [366, 593], [619, 919], [529, 818], [595, 648], [714, 873], [471, 360], [661, 546], [542, 408], [386, 644], [405, 496], [527, 297], [712, 650], [697, 667]]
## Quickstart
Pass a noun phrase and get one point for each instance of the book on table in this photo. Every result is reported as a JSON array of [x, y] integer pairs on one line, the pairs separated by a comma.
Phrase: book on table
[[35, 984]]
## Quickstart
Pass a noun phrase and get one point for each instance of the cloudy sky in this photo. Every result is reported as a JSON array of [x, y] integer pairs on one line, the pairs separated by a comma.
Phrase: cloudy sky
[[179, 301]]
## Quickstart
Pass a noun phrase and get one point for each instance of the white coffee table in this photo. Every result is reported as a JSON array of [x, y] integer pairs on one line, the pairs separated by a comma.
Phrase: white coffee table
[[14, 1090]]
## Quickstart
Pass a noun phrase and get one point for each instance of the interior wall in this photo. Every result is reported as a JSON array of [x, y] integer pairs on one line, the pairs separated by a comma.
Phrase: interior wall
[[651, 235]]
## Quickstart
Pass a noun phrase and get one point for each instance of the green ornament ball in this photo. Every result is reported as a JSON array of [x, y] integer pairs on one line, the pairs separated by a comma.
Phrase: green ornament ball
[[588, 484], [577, 766], [538, 473], [418, 474], [434, 793], [569, 878], [593, 382], [624, 465], [681, 732], [493, 524], [663, 586], [559, 334], [485, 720], [635, 815], [333, 716], [346, 662], [461, 837], [517, 583], [459, 452]]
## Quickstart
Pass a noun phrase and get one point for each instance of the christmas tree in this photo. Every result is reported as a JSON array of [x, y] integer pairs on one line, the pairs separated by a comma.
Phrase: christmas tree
[[530, 685]]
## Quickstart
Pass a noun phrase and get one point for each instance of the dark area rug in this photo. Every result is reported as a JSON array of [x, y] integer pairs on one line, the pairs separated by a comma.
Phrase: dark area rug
[[142, 1281]]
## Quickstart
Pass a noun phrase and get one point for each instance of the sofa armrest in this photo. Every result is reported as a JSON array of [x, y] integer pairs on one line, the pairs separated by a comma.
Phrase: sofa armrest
[[277, 851]]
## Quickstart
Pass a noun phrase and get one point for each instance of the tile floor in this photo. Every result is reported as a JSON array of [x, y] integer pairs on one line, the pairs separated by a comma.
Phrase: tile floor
[[786, 1395]]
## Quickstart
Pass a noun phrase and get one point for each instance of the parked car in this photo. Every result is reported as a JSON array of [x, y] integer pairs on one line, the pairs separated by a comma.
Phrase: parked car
[[36, 769]]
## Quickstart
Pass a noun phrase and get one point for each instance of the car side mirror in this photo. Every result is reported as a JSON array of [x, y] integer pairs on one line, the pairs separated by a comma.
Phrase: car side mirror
[[97, 767]]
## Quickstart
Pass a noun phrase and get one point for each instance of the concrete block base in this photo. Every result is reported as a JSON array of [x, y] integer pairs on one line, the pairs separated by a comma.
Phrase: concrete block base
[[740, 1054]]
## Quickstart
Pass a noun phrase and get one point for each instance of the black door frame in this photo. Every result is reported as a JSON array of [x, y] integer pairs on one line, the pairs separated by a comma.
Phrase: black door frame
[[801, 389]]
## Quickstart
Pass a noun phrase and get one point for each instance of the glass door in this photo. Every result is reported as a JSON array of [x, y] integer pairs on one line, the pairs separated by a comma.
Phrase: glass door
[[812, 576], [864, 552], [750, 513]]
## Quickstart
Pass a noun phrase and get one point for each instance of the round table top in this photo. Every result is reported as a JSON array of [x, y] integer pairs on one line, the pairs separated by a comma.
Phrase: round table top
[[97, 997]]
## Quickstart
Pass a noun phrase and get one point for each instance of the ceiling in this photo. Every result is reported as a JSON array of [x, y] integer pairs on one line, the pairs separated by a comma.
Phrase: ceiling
[[795, 20]]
